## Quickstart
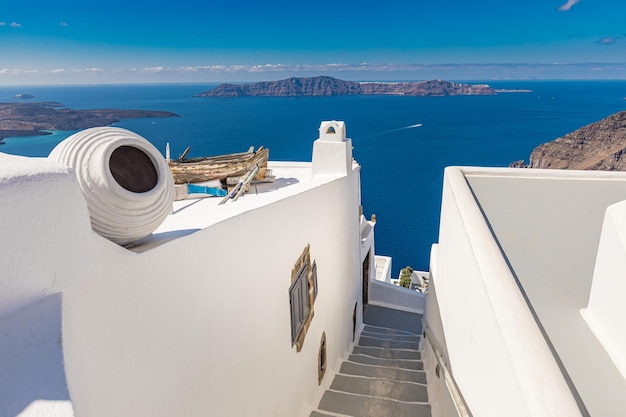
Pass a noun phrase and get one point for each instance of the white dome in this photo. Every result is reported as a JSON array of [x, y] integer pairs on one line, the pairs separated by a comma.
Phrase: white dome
[[127, 184]]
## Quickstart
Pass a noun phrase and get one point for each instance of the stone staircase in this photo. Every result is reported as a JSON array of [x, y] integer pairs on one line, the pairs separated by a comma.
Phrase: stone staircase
[[383, 377]]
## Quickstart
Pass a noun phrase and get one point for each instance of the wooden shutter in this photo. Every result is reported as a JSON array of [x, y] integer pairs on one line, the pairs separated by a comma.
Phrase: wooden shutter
[[299, 300]]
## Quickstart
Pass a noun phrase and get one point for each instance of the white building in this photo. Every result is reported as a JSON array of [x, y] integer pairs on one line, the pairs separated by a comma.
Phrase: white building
[[525, 292], [195, 318], [207, 315]]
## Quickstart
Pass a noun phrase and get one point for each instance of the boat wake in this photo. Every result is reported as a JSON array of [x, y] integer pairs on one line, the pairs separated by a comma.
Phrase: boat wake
[[393, 130], [406, 127]]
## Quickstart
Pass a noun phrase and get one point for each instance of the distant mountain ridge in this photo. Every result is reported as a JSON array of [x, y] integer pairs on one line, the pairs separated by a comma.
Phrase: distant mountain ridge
[[329, 86], [597, 146]]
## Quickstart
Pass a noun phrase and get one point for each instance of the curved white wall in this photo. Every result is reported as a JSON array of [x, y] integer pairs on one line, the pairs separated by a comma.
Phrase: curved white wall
[[496, 352], [198, 325], [202, 325], [43, 219], [45, 238]]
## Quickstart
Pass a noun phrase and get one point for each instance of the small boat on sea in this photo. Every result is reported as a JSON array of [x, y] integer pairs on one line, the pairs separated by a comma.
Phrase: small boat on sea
[[194, 170]]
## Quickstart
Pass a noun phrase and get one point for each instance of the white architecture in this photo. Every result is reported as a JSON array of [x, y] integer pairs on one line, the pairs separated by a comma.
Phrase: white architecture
[[249, 308], [196, 318], [523, 313]]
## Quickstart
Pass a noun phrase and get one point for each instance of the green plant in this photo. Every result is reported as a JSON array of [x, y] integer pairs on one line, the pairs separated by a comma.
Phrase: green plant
[[405, 277]]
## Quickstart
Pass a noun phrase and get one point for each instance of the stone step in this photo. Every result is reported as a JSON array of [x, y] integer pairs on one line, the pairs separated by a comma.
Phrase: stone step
[[384, 376], [317, 413], [415, 365], [380, 388], [387, 344], [377, 316], [387, 331], [365, 406], [378, 352], [394, 374], [393, 337]]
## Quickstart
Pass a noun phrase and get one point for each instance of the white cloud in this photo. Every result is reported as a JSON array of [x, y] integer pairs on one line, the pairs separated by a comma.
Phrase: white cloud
[[607, 40], [3, 24], [75, 71], [568, 5], [15, 25], [294, 68], [201, 69], [29, 71], [155, 69], [301, 68], [360, 71], [64, 24]]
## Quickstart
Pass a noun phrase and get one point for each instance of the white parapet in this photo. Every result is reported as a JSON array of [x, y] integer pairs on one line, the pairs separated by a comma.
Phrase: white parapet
[[493, 346], [42, 208], [383, 268], [606, 309], [388, 295]]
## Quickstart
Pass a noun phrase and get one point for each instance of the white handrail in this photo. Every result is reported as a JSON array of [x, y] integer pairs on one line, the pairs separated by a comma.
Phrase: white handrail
[[455, 393]]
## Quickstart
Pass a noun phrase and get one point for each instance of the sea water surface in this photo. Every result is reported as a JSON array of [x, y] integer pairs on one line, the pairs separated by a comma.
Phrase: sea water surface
[[402, 143]]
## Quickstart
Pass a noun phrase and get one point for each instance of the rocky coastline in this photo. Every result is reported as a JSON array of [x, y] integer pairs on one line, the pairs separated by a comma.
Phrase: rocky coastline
[[329, 86], [597, 146], [34, 119]]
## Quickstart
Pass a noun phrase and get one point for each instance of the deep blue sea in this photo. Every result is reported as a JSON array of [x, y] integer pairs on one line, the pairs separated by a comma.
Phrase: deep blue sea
[[402, 164]]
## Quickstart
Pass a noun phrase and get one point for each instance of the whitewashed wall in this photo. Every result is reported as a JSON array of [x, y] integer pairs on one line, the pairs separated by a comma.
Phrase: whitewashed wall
[[197, 326], [45, 237], [201, 325], [439, 396], [606, 311], [43, 219], [496, 353], [393, 296]]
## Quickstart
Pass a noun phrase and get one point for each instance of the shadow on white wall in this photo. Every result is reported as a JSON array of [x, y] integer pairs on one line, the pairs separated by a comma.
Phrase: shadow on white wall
[[31, 358]]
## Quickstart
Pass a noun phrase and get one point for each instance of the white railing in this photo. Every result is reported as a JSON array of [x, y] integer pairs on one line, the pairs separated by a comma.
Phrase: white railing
[[453, 389]]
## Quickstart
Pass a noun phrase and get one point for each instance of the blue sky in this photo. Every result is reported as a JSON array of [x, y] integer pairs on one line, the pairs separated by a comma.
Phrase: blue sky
[[114, 41]]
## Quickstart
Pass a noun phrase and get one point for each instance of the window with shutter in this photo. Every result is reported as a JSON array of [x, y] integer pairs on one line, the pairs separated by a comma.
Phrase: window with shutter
[[299, 299], [302, 294]]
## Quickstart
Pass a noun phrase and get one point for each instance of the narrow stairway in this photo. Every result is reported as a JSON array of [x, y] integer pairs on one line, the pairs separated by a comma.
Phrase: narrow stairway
[[383, 377]]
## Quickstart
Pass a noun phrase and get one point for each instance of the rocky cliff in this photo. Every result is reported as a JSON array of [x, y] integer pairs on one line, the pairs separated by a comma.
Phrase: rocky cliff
[[292, 87], [329, 86], [426, 88], [599, 146], [32, 119]]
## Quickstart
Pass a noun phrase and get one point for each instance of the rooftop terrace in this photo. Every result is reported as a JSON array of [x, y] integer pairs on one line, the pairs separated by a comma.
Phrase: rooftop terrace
[[198, 212]]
